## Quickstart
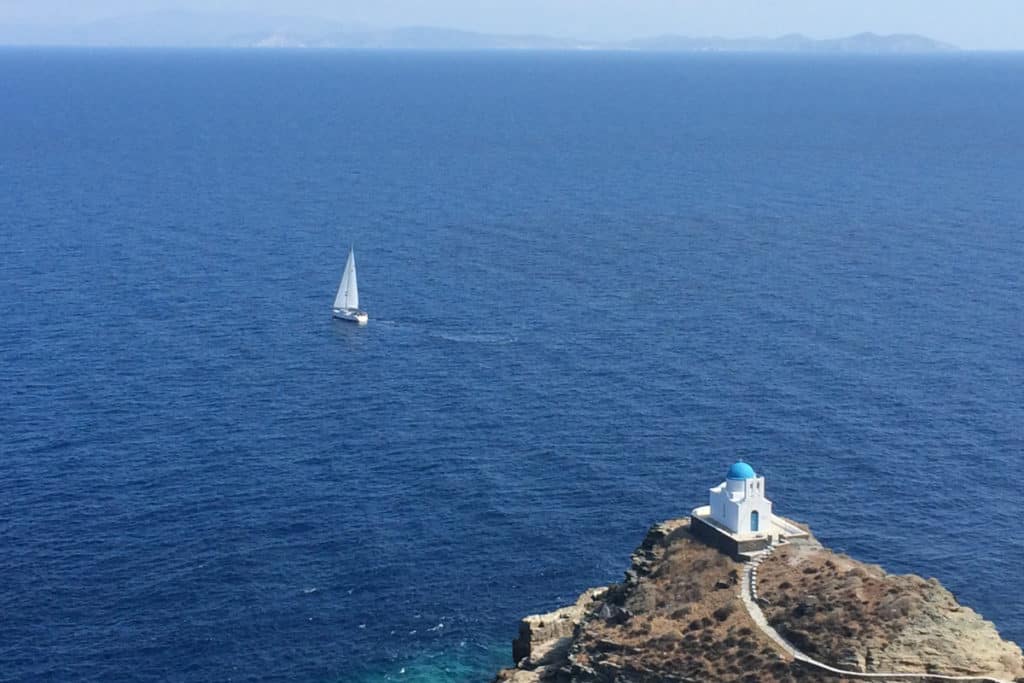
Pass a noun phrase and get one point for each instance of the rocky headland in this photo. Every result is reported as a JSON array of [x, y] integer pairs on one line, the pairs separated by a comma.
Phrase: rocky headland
[[687, 612]]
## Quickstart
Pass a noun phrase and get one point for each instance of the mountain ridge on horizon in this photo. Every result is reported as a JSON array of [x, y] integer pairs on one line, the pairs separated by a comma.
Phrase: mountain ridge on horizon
[[182, 29]]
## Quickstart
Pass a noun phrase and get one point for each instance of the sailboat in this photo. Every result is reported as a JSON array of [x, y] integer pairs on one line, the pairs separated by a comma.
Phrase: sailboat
[[346, 302]]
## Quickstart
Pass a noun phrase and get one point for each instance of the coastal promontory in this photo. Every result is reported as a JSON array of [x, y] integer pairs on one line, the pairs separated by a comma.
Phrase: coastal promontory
[[687, 611]]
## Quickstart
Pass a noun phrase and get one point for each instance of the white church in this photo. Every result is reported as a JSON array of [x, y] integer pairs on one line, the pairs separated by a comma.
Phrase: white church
[[738, 517]]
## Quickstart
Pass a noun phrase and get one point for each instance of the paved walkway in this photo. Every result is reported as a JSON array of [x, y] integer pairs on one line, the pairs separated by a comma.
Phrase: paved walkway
[[748, 594]]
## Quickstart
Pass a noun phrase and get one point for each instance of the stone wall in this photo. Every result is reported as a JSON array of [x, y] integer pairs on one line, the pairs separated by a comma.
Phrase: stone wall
[[716, 539]]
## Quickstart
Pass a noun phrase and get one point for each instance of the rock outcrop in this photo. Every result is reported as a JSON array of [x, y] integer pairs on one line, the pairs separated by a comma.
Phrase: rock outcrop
[[677, 617], [839, 610], [544, 639]]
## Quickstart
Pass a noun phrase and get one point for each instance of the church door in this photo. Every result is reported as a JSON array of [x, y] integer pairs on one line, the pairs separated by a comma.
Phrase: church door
[[754, 520]]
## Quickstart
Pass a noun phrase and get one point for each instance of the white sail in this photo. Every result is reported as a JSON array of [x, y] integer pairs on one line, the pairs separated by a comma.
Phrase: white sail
[[348, 290]]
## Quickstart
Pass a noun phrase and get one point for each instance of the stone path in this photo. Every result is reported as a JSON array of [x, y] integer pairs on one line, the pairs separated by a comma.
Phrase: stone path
[[748, 594]]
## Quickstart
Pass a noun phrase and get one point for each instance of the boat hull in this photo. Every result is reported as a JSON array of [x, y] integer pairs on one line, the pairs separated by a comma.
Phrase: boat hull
[[351, 315]]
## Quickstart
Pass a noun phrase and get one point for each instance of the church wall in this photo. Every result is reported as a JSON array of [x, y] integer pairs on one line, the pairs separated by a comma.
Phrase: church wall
[[723, 510], [736, 515], [763, 507]]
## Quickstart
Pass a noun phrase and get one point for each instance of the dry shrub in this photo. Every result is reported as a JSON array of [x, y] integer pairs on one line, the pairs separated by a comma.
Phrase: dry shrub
[[900, 607], [681, 612], [693, 593], [641, 627], [858, 572], [723, 612]]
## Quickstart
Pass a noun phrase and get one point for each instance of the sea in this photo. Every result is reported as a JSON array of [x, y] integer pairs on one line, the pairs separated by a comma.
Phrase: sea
[[594, 281]]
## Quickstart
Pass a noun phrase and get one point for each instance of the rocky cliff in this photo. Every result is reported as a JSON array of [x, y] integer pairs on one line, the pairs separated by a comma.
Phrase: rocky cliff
[[678, 616]]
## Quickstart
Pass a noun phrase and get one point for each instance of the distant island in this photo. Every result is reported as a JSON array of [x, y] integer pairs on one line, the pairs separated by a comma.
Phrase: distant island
[[225, 30], [429, 38]]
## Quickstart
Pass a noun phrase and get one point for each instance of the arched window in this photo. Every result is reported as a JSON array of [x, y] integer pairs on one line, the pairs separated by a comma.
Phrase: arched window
[[754, 521]]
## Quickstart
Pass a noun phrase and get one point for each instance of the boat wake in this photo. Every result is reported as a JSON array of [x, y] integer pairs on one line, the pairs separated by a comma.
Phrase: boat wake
[[476, 338]]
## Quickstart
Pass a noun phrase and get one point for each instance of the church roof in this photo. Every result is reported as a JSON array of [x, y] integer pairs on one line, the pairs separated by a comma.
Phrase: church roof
[[741, 470]]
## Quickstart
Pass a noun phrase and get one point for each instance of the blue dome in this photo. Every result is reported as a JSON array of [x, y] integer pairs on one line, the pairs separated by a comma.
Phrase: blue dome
[[741, 470]]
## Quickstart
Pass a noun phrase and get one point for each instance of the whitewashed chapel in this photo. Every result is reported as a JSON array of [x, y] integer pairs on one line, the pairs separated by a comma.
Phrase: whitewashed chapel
[[739, 503], [738, 517]]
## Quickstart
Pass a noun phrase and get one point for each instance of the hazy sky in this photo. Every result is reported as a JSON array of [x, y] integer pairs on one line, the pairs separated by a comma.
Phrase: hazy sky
[[980, 24]]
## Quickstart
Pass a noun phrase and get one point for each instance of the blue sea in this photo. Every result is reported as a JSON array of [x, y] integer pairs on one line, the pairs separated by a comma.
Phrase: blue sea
[[594, 281]]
